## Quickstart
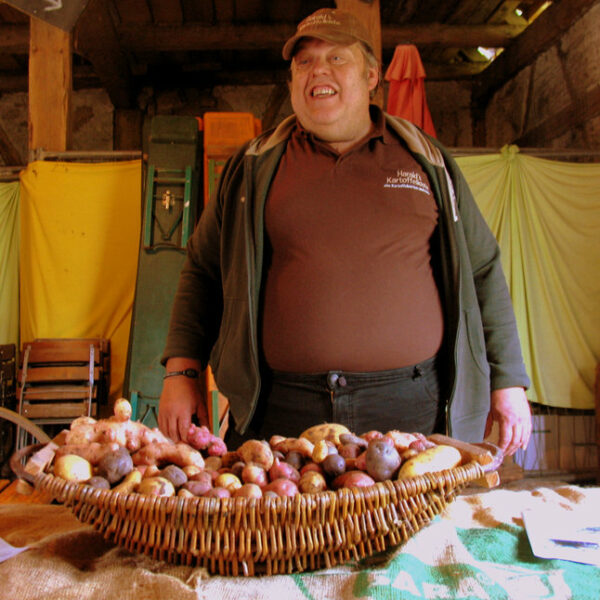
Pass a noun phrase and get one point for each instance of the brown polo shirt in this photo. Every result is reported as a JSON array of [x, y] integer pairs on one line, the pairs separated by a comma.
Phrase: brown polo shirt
[[349, 280]]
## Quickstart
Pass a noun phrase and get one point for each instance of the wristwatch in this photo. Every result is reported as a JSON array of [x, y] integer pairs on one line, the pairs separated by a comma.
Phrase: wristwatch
[[191, 373]]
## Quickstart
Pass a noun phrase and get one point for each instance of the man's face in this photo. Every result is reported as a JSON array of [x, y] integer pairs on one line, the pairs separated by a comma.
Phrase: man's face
[[330, 90]]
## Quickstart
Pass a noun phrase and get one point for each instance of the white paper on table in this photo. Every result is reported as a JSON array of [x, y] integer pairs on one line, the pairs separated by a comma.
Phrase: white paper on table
[[7, 551], [567, 535]]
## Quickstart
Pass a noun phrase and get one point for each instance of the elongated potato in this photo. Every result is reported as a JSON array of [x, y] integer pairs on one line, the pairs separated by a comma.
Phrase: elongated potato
[[437, 458], [325, 431]]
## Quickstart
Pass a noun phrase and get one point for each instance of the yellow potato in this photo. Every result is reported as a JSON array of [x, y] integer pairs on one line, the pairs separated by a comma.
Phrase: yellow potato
[[73, 468], [130, 483], [156, 486], [437, 458], [325, 431]]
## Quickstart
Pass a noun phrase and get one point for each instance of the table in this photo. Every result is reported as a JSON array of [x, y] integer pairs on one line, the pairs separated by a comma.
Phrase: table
[[478, 549]]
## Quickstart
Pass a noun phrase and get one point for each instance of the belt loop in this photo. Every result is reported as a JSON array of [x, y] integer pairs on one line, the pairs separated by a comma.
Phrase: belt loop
[[417, 372]]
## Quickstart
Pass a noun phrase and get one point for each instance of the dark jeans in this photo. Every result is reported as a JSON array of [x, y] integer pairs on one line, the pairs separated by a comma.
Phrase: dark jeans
[[407, 399]]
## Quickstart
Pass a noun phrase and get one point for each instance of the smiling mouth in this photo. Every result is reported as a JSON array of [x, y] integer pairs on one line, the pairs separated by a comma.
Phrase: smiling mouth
[[322, 92]]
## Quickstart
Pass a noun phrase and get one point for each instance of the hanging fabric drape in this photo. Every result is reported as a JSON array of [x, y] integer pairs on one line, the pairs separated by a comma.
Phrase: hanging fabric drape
[[9, 263], [80, 228], [406, 93], [546, 217]]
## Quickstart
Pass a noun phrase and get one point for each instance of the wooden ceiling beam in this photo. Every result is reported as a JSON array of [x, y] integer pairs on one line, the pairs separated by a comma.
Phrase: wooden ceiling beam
[[96, 40], [523, 50], [193, 36]]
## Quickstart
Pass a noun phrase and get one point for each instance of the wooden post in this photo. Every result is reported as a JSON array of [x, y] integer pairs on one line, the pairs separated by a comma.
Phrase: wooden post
[[50, 87], [368, 13]]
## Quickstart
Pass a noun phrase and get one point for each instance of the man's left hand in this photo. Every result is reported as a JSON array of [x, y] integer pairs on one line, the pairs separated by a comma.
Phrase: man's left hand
[[510, 409]]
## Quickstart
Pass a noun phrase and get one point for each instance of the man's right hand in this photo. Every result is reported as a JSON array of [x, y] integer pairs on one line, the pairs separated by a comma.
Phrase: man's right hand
[[181, 398]]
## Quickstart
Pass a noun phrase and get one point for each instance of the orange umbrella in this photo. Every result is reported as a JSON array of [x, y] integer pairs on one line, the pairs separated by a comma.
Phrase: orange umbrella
[[406, 94]]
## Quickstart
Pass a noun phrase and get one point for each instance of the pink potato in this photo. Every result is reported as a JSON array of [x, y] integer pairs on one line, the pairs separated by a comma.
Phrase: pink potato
[[282, 487], [285, 470], [254, 474], [352, 479]]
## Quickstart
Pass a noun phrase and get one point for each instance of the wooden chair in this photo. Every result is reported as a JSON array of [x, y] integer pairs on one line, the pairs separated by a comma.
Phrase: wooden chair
[[62, 379]]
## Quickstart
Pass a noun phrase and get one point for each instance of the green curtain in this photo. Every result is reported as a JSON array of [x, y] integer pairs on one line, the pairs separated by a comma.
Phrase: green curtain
[[9, 263], [546, 217]]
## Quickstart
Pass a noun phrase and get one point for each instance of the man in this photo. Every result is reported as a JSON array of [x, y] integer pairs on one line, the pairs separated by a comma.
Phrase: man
[[342, 272]]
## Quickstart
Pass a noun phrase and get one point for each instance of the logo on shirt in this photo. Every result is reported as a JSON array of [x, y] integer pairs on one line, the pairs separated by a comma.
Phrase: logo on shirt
[[407, 179]]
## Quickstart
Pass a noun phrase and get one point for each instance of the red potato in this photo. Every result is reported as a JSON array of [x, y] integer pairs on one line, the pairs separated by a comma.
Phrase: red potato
[[281, 469], [311, 466], [371, 435], [352, 479], [198, 488], [401, 439], [218, 492], [248, 490], [282, 487], [350, 450], [360, 462], [255, 474]]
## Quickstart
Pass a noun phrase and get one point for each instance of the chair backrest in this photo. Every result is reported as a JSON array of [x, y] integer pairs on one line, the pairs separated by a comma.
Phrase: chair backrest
[[61, 379]]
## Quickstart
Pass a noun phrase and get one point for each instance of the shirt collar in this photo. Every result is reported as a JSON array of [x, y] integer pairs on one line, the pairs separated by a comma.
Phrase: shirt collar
[[379, 130]]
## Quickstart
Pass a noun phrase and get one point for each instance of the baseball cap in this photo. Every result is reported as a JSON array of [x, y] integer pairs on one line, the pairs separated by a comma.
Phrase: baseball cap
[[332, 25]]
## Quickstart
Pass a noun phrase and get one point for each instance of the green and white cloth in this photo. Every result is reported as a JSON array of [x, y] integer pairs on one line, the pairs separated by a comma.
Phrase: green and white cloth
[[478, 549]]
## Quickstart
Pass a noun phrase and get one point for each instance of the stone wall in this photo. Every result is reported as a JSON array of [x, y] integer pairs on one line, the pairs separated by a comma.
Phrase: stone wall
[[553, 102]]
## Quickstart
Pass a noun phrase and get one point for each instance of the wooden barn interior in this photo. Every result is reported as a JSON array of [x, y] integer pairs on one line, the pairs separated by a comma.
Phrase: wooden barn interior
[[113, 113]]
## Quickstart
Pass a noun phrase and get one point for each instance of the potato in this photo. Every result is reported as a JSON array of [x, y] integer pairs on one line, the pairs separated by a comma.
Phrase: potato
[[255, 474], [122, 409], [73, 468], [325, 431], [334, 465], [431, 460], [190, 470], [295, 459], [248, 490], [312, 482], [322, 449], [311, 466], [115, 465], [285, 470], [351, 450], [352, 479], [282, 487], [100, 483], [156, 486], [218, 492], [401, 439], [257, 453], [351, 438], [228, 481], [130, 483], [382, 460], [301, 445], [174, 474], [198, 488], [213, 463]]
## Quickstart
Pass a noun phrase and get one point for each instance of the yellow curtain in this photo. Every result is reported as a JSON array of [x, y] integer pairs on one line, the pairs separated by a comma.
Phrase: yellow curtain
[[9, 263], [546, 217], [80, 228]]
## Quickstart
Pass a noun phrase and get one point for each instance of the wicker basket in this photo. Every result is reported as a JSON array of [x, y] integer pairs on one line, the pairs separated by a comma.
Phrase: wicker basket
[[240, 536]]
